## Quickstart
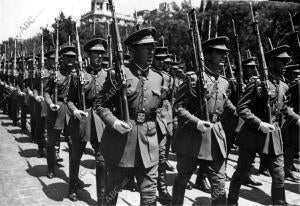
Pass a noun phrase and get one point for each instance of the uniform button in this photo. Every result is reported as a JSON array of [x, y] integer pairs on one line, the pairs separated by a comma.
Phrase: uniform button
[[145, 99], [145, 89], [143, 109]]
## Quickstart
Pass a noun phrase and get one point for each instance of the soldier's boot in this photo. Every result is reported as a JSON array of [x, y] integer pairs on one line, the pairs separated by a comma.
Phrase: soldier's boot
[[178, 192], [278, 196], [201, 183], [131, 184], [41, 151], [50, 162], [163, 195], [73, 190], [220, 200], [57, 156], [250, 180], [169, 167], [100, 180]]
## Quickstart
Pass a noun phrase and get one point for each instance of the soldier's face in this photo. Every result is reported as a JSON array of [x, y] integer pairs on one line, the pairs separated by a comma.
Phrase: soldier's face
[[279, 65], [216, 57], [95, 59], [158, 62], [249, 71], [143, 54]]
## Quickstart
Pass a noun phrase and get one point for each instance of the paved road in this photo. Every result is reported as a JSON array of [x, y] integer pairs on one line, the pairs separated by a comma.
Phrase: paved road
[[23, 178]]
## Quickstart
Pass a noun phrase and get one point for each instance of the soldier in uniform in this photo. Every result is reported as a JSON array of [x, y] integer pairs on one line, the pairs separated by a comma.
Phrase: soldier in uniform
[[197, 139], [250, 74], [290, 130], [12, 100], [40, 107], [135, 144], [31, 84], [259, 136], [87, 125], [164, 123], [58, 114]]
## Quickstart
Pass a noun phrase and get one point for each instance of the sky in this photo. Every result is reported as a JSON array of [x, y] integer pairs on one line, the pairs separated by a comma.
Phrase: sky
[[24, 18]]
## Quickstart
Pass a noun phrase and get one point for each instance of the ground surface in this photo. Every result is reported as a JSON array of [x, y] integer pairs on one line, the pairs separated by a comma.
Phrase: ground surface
[[23, 178]]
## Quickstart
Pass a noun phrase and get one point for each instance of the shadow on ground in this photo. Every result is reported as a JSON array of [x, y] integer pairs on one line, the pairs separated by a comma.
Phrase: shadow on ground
[[256, 195], [89, 163]]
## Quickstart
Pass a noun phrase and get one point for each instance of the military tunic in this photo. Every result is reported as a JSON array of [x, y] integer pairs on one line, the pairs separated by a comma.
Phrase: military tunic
[[192, 145], [138, 148], [56, 120], [89, 128], [251, 140]]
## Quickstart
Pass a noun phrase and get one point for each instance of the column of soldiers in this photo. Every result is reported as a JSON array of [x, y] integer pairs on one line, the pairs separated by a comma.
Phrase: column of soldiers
[[82, 101]]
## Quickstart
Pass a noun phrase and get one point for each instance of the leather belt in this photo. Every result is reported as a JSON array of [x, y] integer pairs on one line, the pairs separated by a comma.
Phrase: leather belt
[[141, 117]]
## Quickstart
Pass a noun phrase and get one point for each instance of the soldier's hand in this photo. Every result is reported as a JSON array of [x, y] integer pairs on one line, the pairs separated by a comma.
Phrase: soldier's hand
[[121, 126], [266, 127], [204, 126], [30, 93], [298, 122], [54, 107], [39, 98], [79, 113]]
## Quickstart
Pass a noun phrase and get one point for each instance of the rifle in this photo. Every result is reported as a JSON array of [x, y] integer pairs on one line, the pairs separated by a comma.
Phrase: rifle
[[110, 54], [119, 64], [295, 32], [80, 74], [23, 67], [14, 69], [238, 63], [262, 66], [199, 65], [42, 68], [56, 68], [34, 66]]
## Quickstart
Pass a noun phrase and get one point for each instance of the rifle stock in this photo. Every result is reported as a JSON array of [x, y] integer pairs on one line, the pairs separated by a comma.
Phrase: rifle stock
[[119, 63], [56, 68], [80, 73], [262, 65], [238, 63], [199, 65], [42, 67]]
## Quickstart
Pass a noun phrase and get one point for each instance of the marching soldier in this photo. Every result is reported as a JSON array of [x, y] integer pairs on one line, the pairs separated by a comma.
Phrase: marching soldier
[[250, 74], [40, 108], [265, 137], [135, 144], [164, 123], [31, 83], [196, 139], [87, 125], [58, 114], [290, 130]]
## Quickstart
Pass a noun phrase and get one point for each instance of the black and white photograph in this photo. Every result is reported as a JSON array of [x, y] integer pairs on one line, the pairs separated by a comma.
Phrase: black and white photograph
[[149, 102]]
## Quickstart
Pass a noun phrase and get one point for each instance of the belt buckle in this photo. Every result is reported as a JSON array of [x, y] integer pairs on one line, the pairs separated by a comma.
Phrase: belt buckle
[[214, 118], [141, 117]]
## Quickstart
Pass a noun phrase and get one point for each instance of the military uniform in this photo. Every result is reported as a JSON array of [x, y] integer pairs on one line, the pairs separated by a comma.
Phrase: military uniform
[[90, 128], [269, 145], [290, 130], [192, 145], [40, 110], [57, 120], [138, 148], [164, 123]]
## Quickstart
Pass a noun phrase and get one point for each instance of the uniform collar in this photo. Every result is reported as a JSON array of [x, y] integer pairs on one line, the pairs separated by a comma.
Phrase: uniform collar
[[274, 79], [138, 71], [211, 73], [92, 71]]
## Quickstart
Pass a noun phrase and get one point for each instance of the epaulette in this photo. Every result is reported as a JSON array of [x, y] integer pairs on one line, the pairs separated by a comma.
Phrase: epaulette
[[166, 73]]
